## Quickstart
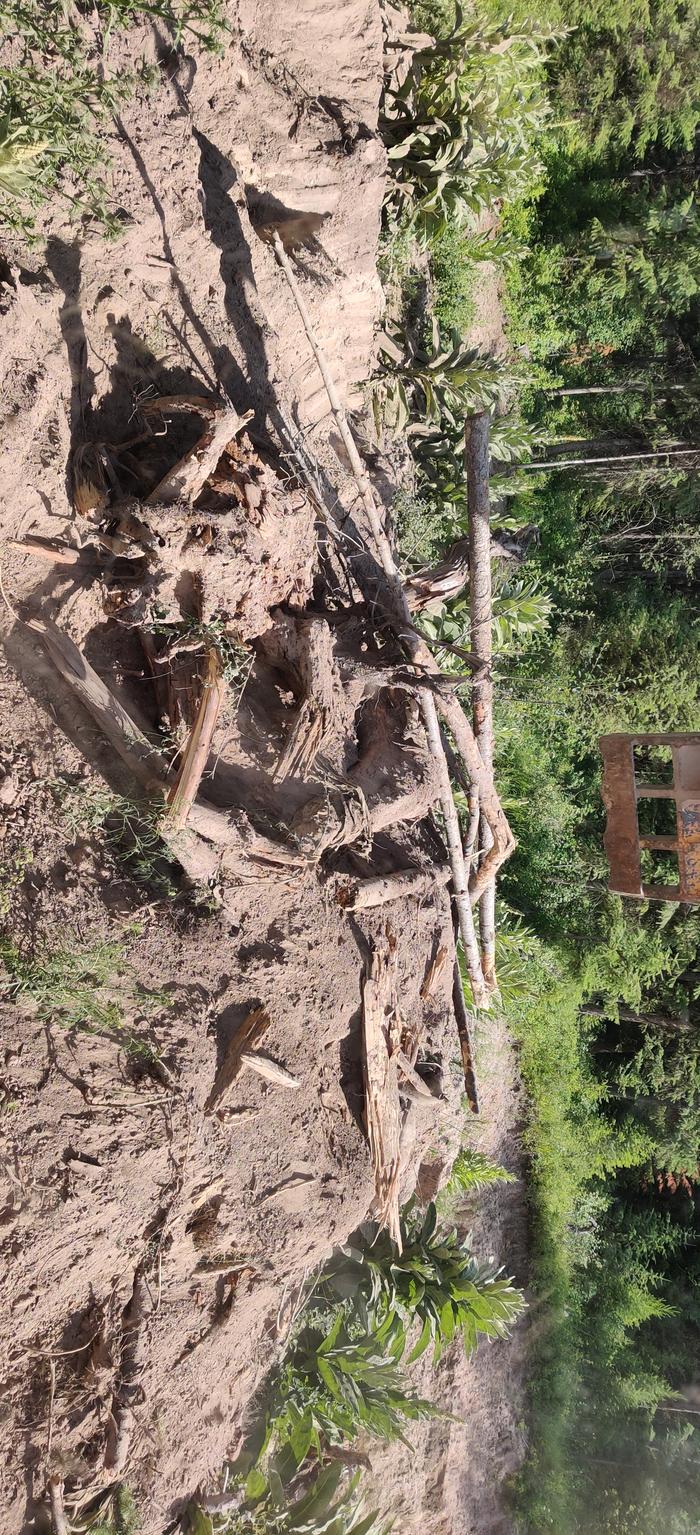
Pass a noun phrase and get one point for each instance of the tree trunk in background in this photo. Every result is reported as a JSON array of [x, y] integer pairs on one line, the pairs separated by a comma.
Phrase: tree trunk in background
[[476, 463]]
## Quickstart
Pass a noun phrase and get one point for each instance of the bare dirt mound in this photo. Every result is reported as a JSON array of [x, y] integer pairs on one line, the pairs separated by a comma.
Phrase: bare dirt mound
[[135, 1177]]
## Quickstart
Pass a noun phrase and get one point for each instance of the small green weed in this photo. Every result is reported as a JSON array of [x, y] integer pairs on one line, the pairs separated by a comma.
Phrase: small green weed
[[235, 659], [12, 872], [129, 828], [473, 1171], [57, 98], [73, 989]]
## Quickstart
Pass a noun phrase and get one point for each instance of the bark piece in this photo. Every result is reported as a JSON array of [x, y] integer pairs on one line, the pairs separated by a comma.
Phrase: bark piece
[[246, 1036], [381, 1044], [409, 1072]]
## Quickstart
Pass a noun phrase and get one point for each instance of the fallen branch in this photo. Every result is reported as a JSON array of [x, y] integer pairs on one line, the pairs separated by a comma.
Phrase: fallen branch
[[133, 1359], [245, 1038], [59, 1523], [362, 894], [465, 1039], [381, 1038], [476, 464]]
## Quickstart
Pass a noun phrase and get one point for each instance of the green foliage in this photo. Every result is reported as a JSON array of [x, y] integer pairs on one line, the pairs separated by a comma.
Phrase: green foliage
[[521, 611], [130, 829], [439, 382], [472, 1171]]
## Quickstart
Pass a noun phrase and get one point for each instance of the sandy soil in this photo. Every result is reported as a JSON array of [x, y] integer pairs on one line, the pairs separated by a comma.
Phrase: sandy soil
[[112, 1161]]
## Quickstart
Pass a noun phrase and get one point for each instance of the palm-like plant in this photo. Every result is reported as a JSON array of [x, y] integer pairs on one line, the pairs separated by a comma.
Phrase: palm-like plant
[[438, 382], [434, 1281]]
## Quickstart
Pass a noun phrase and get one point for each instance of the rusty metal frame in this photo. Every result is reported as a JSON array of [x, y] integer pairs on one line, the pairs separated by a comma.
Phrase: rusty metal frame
[[621, 792]]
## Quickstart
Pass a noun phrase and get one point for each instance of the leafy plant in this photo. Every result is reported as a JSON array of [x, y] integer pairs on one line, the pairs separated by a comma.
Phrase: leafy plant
[[462, 127], [329, 1506], [339, 1382], [435, 1282], [437, 383]]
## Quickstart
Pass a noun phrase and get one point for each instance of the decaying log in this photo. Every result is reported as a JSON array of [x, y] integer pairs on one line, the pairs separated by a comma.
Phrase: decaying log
[[304, 646], [188, 476], [245, 1038], [465, 1039], [345, 815], [381, 1043], [361, 894], [184, 791], [476, 466], [134, 1355]]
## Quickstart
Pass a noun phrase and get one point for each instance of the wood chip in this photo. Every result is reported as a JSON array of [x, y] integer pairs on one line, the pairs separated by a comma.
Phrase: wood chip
[[250, 1031], [381, 1041], [269, 1069]]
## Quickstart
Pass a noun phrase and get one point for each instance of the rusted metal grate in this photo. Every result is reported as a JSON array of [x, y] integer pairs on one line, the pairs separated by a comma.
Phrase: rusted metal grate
[[622, 790]]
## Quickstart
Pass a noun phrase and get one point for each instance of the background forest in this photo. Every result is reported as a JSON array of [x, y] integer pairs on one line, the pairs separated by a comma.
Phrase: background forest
[[587, 130]]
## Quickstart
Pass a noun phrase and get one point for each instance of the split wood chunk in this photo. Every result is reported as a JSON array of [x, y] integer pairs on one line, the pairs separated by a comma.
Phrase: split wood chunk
[[381, 1045], [409, 1072], [90, 488], [363, 894], [199, 862], [235, 848], [246, 1036], [305, 647], [188, 476], [433, 973], [271, 1070], [185, 789]]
